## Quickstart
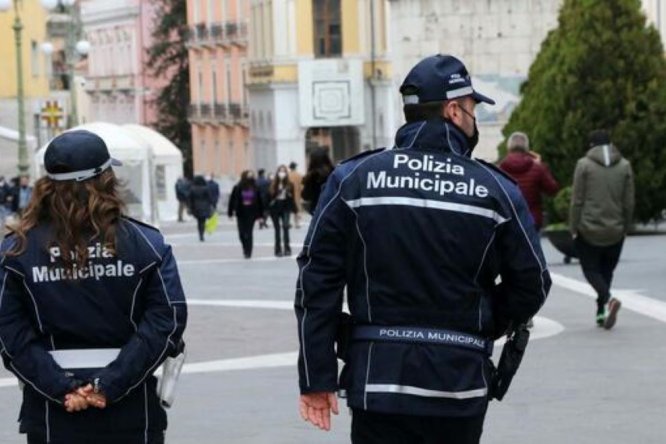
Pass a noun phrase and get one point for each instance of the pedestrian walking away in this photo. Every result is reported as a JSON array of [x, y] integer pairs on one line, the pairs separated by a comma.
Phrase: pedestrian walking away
[[319, 168], [296, 180], [419, 235], [91, 305], [183, 195], [263, 185], [283, 204], [5, 191], [214, 189], [531, 173], [246, 204], [602, 207], [201, 204]]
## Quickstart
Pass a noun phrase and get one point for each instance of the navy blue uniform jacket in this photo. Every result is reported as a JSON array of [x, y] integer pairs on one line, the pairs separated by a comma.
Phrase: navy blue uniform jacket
[[419, 236], [132, 300]]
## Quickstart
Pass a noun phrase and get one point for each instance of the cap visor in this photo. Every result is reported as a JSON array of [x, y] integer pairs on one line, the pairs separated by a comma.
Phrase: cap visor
[[481, 98], [116, 162]]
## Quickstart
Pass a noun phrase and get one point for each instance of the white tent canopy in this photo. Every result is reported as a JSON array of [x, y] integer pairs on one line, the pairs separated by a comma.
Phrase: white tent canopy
[[135, 174], [166, 165]]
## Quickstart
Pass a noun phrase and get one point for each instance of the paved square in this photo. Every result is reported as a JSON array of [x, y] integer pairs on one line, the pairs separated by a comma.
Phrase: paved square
[[578, 383]]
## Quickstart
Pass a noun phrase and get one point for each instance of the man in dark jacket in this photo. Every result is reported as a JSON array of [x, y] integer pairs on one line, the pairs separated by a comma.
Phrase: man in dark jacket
[[532, 175], [183, 196], [418, 235], [214, 190], [602, 207]]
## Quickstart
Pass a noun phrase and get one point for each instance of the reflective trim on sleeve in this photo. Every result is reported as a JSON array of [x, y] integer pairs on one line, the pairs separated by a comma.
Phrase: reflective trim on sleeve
[[426, 203], [426, 393], [85, 358]]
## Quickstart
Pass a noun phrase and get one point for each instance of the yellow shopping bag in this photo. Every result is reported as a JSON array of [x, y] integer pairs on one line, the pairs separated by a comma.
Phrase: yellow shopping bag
[[211, 223]]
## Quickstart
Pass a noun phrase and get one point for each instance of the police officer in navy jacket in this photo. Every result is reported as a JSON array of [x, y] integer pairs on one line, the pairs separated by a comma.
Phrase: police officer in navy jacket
[[90, 305], [438, 257]]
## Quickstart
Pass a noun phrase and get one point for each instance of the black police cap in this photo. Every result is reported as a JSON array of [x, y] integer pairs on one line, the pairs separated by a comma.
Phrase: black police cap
[[438, 78], [77, 155]]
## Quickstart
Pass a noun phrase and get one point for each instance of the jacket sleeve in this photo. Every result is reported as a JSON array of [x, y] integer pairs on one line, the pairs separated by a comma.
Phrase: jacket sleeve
[[577, 198], [158, 333], [548, 184], [231, 207], [628, 199], [525, 278], [22, 349], [319, 292]]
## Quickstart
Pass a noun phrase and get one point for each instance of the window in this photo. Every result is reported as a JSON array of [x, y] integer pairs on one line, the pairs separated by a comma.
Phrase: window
[[214, 81], [327, 28], [199, 84], [227, 63], [34, 58]]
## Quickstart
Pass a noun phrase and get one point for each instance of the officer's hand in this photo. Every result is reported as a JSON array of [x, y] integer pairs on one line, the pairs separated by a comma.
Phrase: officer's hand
[[316, 408], [97, 400], [74, 402]]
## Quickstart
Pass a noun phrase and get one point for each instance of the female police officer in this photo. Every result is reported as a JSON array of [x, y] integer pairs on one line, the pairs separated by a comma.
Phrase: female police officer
[[90, 305]]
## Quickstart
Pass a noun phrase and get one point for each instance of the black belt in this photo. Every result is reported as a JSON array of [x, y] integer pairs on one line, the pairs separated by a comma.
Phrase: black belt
[[418, 335]]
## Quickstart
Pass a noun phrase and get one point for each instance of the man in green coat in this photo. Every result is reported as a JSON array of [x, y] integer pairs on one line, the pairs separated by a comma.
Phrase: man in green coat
[[601, 212]]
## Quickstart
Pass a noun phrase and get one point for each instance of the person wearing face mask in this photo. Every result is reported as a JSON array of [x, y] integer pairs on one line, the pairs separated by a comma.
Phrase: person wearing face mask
[[418, 235], [246, 204], [282, 205]]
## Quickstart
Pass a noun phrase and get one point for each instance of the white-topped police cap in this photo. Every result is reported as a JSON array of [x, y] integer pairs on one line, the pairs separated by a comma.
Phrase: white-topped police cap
[[77, 155], [438, 78]]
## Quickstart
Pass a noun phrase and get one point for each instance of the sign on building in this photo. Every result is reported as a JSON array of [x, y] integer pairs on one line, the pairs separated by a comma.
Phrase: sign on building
[[52, 114], [331, 93]]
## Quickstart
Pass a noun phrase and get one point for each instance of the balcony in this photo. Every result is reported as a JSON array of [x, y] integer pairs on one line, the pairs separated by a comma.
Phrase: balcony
[[220, 112], [238, 114], [219, 34], [198, 35], [240, 38]]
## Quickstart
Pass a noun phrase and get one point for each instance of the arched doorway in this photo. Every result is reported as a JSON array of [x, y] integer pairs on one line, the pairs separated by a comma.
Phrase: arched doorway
[[341, 142]]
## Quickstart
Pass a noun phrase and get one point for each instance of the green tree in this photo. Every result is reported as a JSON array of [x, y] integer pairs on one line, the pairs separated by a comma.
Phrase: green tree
[[168, 58], [602, 67]]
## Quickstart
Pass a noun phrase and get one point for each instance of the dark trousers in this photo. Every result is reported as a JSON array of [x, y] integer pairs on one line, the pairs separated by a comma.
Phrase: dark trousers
[[108, 438], [280, 220], [245, 228], [201, 227], [598, 264], [382, 428], [182, 206]]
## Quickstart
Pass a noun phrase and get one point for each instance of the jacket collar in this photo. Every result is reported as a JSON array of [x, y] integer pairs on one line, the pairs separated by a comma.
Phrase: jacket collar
[[440, 135]]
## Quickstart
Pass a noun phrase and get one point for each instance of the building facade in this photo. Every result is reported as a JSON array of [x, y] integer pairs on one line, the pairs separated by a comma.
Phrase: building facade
[[35, 80], [120, 87], [497, 39], [218, 74], [319, 75]]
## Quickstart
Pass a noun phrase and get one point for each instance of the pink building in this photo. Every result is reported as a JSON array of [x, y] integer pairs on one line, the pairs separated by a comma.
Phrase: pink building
[[218, 110], [119, 87]]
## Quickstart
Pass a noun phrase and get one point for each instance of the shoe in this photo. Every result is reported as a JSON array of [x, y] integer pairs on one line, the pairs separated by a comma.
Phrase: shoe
[[601, 314], [278, 253], [287, 251], [601, 318], [613, 307]]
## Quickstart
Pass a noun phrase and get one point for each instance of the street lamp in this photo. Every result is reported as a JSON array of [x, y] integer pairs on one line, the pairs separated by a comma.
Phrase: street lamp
[[23, 164], [72, 49]]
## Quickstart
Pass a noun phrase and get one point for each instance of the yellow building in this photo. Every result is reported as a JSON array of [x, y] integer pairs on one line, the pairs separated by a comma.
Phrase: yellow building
[[319, 76], [35, 79]]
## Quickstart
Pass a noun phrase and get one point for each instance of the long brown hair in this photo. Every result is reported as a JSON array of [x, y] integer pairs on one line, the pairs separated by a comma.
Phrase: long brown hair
[[78, 212]]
